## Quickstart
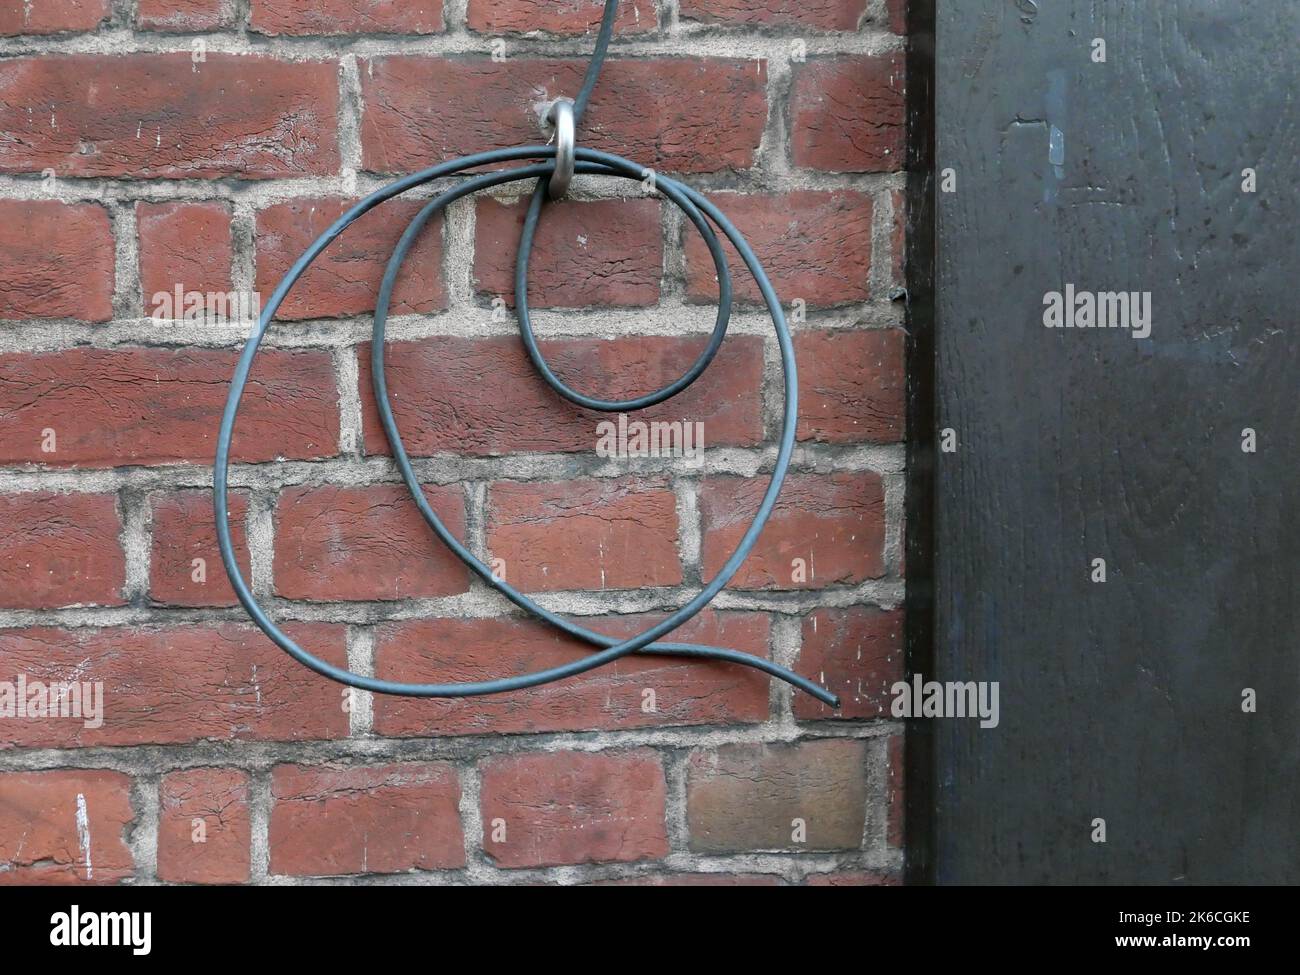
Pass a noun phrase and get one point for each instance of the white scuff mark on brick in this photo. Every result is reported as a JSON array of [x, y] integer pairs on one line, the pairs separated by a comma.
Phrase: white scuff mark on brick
[[83, 835]]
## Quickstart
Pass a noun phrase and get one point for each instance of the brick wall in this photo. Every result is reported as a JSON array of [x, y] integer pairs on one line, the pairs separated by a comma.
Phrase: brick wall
[[148, 146]]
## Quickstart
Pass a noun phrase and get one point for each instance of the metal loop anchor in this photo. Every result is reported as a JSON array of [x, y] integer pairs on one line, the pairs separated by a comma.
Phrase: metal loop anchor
[[566, 143]]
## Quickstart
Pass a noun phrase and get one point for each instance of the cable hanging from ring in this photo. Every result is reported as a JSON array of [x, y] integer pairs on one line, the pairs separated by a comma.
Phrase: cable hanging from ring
[[553, 169]]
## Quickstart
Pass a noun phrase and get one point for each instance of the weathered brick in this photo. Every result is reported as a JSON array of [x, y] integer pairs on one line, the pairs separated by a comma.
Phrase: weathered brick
[[694, 880], [167, 116], [822, 14], [332, 820], [346, 16], [56, 260], [851, 386], [50, 16], [126, 405], [139, 114], [613, 697], [169, 685], [365, 543], [185, 245], [857, 652], [204, 835], [898, 237], [60, 550], [847, 114], [597, 534], [64, 826], [184, 15], [482, 395], [673, 114], [749, 796], [185, 564], [601, 252], [825, 530], [895, 820], [814, 245], [545, 809], [853, 878], [565, 18], [897, 13], [344, 280]]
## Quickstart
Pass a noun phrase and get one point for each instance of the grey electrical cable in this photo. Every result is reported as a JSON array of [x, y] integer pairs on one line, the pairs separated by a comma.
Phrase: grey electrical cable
[[588, 161]]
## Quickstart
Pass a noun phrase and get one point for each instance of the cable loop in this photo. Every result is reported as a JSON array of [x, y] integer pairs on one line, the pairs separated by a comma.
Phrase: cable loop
[[551, 167]]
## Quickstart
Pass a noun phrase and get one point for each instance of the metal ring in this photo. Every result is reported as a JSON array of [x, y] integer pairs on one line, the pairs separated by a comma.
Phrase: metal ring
[[566, 141]]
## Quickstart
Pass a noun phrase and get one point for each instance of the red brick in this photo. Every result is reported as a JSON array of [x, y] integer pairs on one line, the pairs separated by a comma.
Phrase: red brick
[[835, 523], [330, 820], [857, 653], [852, 878], [113, 407], [482, 396], [366, 543], [165, 116], [56, 260], [747, 797], [674, 114], [597, 534], [608, 698], [824, 14], [694, 880], [847, 114], [184, 530], [851, 386], [602, 252], [50, 16], [221, 682], [347, 16], [203, 827], [184, 15], [898, 236], [182, 244], [895, 817], [897, 13], [574, 807], [814, 245], [60, 550], [64, 826], [344, 280], [567, 17]]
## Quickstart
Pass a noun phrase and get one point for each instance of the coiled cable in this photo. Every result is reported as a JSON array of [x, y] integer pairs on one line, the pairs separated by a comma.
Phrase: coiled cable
[[587, 161]]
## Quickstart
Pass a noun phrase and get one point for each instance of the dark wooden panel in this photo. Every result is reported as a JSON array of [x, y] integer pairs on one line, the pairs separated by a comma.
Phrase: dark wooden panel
[[1119, 700]]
